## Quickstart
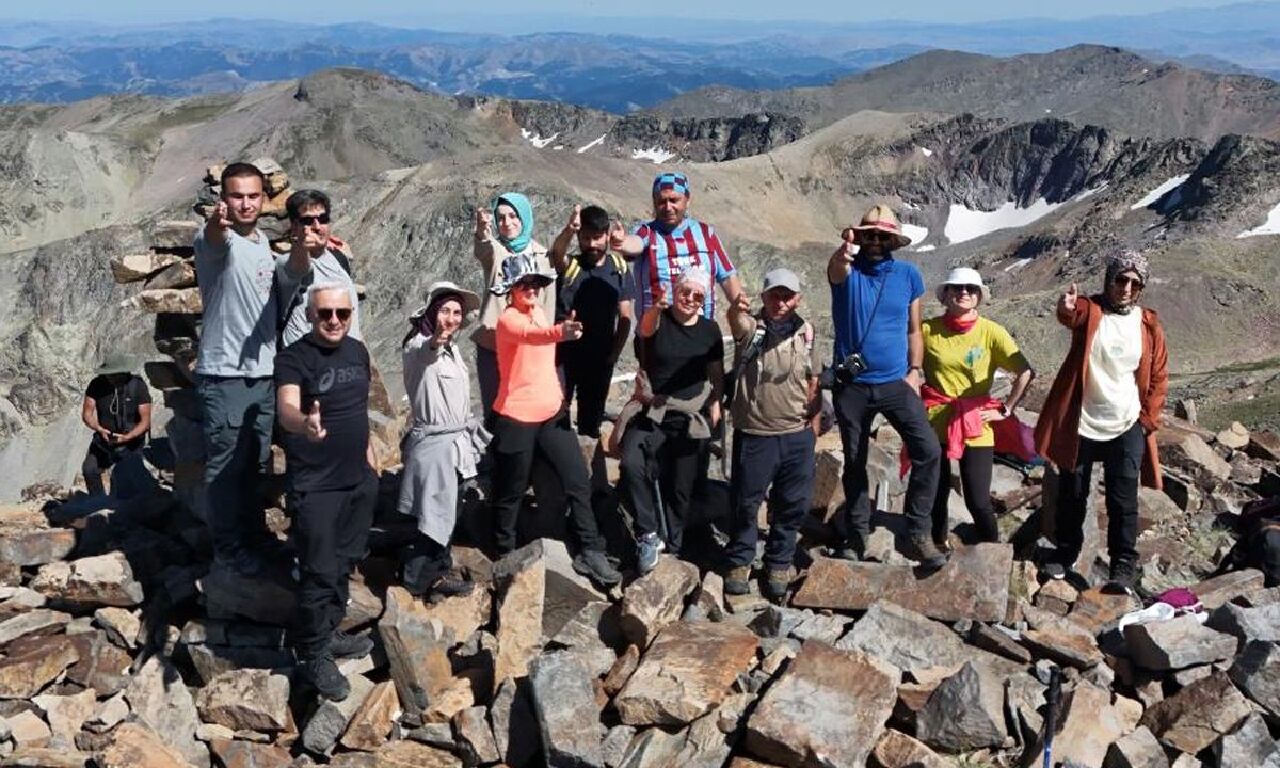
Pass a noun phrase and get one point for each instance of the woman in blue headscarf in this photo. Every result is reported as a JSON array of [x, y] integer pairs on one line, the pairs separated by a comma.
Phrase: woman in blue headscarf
[[512, 214]]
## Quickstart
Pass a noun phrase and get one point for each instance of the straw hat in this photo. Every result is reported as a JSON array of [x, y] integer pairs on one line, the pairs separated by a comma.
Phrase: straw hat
[[881, 218]]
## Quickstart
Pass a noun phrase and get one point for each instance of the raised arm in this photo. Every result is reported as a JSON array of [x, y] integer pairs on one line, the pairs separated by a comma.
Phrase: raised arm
[[560, 246], [630, 246], [841, 261], [653, 315], [217, 224]]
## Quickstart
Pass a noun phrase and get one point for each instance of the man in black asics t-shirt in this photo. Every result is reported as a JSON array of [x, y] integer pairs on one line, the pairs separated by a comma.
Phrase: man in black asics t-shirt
[[322, 390]]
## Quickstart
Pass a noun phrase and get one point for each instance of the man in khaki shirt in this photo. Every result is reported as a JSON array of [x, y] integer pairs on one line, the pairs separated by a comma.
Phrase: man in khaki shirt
[[775, 416]]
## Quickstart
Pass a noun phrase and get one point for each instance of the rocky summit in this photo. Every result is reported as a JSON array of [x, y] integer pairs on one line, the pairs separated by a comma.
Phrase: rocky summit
[[120, 647]]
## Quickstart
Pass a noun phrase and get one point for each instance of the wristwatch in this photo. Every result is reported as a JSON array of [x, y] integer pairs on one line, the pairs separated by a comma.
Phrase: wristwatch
[[916, 368]]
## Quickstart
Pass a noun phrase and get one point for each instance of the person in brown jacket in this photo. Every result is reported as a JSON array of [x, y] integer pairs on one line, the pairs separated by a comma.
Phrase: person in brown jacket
[[1105, 406]]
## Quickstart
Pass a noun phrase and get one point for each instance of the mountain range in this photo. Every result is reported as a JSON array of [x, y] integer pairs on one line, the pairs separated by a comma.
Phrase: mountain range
[[613, 64], [1178, 162]]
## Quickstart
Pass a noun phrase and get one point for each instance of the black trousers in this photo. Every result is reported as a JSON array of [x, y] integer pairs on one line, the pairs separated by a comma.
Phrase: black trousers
[[781, 466], [1121, 459], [98, 459], [975, 485], [515, 443], [331, 530], [856, 405], [425, 561], [588, 376], [654, 455]]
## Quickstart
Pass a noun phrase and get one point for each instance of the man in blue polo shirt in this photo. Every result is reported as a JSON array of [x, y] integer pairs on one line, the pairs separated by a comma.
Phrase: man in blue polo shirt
[[879, 350]]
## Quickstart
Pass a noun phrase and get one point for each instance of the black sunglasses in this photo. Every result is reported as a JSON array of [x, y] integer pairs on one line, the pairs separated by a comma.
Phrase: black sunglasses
[[966, 288], [1124, 280], [307, 221], [327, 313]]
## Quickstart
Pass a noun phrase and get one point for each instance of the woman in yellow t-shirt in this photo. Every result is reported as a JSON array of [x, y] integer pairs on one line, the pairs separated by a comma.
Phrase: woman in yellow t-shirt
[[961, 354]]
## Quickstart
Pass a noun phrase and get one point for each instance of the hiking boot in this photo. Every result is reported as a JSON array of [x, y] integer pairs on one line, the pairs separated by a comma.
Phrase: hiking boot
[[776, 584], [926, 553], [593, 564], [845, 550], [647, 549], [737, 580], [1122, 578], [449, 585], [1054, 569], [323, 675], [347, 646]]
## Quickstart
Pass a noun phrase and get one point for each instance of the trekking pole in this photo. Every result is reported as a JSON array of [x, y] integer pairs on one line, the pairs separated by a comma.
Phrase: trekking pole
[[1054, 699]]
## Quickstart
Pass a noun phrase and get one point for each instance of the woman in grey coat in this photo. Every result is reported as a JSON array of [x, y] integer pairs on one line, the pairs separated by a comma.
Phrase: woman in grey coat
[[444, 442]]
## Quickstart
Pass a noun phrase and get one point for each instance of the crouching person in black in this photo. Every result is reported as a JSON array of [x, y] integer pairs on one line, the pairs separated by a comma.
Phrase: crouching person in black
[[322, 385], [117, 407]]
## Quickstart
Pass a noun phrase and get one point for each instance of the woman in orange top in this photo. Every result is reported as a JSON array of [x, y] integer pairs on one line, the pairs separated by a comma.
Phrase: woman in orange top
[[527, 416]]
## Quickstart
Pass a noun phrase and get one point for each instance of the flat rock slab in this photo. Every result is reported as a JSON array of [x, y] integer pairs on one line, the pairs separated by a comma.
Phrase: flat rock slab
[[331, 718], [1176, 644], [1245, 624], [246, 700], [974, 584], [371, 724], [417, 648], [135, 746], [567, 709], [965, 712], [162, 703], [36, 547], [685, 673], [656, 599], [1079, 651], [90, 582], [34, 663], [1256, 671], [1198, 715], [1139, 749], [1099, 611], [37, 623], [1090, 725], [1220, 590], [828, 708], [245, 754], [904, 638], [898, 750]]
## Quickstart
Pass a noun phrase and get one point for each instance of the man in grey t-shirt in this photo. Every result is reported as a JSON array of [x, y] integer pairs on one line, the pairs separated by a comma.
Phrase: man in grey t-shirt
[[236, 270], [309, 213]]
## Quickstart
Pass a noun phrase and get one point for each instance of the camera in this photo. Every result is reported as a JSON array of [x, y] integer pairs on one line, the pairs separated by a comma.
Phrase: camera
[[842, 372]]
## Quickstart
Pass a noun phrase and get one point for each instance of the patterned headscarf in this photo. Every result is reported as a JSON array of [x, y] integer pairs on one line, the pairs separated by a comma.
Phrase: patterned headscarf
[[674, 180], [1127, 260]]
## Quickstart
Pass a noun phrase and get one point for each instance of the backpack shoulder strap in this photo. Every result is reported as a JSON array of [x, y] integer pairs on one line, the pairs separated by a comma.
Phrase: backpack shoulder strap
[[344, 261]]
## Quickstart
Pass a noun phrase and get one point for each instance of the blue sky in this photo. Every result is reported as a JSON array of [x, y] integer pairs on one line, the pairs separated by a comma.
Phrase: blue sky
[[451, 14]]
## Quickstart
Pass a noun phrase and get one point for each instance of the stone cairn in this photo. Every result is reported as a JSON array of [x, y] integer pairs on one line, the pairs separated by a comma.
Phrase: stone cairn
[[120, 650]]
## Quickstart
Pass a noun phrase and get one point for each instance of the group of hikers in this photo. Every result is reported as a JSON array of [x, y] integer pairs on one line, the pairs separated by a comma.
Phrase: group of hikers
[[280, 345]]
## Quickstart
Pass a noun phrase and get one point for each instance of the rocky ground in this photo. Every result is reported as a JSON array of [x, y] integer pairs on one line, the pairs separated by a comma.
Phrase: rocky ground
[[120, 648]]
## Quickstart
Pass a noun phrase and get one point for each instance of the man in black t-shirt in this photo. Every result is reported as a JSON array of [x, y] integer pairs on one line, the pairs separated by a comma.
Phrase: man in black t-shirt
[[322, 399], [683, 360], [117, 407], [598, 288]]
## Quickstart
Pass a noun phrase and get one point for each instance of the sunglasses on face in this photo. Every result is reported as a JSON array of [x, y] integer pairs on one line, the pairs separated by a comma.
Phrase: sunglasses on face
[[1123, 281], [690, 294], [876, 237], [328, 313], [307, 221], [975, 290]]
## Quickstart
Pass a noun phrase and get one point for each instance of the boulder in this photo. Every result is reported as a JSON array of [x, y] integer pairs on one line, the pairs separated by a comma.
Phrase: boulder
[[89, 582], [135, 267], [371, 722], [1245, 624], [411, 754], [1098, 611], [133, 745], [66, 714], [656, 599], [1138, 749], [27, 730], [515, 723], [38, 623], [181, 274], [538, 592], [1250, 744], [1256, 672], [1235, 437], [623, 668], [999, 642], [108, 714], [462, 614], [591, 632], [36, 546], [417, 649], [828, 707], [123, 627], [1264, 445], [1187, 452], [1196, 716], [102, 665], [33, 663], [567, 709], [904, 638], [161, 702], [475, 737], [1175, 644], [965, 712], [1068, 648], [1219, 590], [244, 754], [246, 700], [182, 301], [709, 740], [331, 718], [1088, 727], [685, 673], [974, 584], [897, 750]]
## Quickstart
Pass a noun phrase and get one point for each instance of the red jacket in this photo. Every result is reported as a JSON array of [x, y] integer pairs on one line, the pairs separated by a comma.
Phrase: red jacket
[[1057, 431]]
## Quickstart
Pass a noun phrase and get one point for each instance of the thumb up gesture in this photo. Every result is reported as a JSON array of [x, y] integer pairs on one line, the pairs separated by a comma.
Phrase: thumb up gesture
[[617, 235], [660, 299], [575, 219], [570, 328], [315, 430], [1068, 300]]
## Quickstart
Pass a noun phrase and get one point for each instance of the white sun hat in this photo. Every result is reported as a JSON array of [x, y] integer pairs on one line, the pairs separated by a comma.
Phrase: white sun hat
[[963, 276]]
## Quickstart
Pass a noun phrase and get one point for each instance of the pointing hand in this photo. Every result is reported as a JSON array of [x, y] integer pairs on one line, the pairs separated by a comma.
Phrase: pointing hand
[[617, 235], [315, 430], [1068, 300], [575, 219], [660, 299], [847, 244], [484, 218], [218, 216]]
